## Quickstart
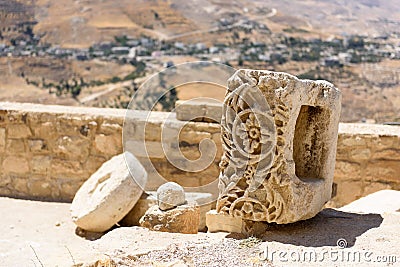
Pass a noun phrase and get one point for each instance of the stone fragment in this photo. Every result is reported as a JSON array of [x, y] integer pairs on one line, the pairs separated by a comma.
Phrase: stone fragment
[[149, 199], [219, 222], [183, 219], [109, 194], [170, 195], [145, 202], [205, 202], [279, 136]]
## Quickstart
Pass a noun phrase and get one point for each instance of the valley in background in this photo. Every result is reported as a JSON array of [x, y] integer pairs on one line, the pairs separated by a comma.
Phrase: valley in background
[[98, 53]]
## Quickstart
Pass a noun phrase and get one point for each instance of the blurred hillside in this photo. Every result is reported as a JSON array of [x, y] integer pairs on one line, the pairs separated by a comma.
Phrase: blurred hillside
[[97, 53]]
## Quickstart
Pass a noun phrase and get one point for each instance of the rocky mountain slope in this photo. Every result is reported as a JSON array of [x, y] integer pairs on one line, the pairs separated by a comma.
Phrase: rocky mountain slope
[[83, 22]]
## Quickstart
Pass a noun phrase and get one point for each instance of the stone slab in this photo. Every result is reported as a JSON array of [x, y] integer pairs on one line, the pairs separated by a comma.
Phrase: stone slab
[[205, 110], [149, 199], [378, 202]]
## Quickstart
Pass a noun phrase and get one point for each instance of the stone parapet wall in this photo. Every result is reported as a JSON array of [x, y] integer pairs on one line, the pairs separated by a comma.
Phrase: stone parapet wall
[[367, 160], [47, 152]]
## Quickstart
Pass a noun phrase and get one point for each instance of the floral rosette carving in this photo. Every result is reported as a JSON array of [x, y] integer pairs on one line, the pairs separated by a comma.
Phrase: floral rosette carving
[[249, 139]]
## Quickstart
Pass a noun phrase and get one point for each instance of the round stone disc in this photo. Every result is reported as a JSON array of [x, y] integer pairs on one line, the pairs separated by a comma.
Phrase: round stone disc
[[109, 194]]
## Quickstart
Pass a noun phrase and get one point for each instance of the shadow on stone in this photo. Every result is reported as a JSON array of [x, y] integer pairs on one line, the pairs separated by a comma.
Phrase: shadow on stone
[[325, 229], [87, 234]]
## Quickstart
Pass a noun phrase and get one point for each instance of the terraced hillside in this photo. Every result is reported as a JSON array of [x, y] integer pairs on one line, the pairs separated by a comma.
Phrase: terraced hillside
[[17, 18]]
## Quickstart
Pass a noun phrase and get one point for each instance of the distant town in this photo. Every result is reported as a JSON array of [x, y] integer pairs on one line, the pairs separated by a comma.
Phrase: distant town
[[332, 52], [341, 59]]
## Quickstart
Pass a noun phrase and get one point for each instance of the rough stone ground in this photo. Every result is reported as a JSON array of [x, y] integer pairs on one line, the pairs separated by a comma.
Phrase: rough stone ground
[[37, 233]]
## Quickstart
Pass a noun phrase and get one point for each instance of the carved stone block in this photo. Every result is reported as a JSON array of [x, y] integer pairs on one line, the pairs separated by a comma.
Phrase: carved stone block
[[279, 136]]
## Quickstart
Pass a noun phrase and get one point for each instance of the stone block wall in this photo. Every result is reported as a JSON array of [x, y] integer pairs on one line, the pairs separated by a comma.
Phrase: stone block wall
[[47, 152], [367, 160]]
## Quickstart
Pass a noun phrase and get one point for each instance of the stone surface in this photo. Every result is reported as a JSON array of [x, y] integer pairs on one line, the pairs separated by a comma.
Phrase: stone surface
[[149, 199], [205, 201], [50, 125], [170, 195], [279, 137], [220, 222], [378, 202], [109, 194], [183, 219], [15, 146], [14, 164], [199, 109], [36, 145], [18, 131], [145, 202], [107, 144], [2, 138], [51, 236]]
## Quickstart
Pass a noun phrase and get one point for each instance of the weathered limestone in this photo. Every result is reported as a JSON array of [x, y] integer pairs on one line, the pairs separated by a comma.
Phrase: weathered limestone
[[183, 219], [220, 222], [49, 125], [378, 202], [170, 195], [2, 137], [109, 194], [360, 176], [204, 201], [149, 199], [145, 202], [201, 109], [279, 135]]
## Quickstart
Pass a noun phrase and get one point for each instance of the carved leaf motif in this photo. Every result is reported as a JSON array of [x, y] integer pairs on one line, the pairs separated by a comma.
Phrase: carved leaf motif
[[249, 140]]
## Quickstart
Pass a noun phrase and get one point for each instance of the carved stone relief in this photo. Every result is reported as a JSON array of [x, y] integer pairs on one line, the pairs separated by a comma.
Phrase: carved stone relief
[[279, 137]]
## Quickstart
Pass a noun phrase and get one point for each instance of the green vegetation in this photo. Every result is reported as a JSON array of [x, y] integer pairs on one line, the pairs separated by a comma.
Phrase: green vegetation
[[168, 99], [74, 86], [121, 40], [294, 30]]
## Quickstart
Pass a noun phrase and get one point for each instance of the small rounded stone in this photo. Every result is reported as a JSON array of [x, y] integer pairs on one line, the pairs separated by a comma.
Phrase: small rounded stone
[[170, 195]]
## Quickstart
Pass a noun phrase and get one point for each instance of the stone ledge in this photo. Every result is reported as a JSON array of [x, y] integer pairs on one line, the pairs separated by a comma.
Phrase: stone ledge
[[198, 110], [344, 128], [369, 129]]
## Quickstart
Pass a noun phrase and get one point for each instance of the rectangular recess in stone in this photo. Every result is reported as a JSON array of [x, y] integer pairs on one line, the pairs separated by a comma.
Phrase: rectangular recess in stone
[[279, 136]]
